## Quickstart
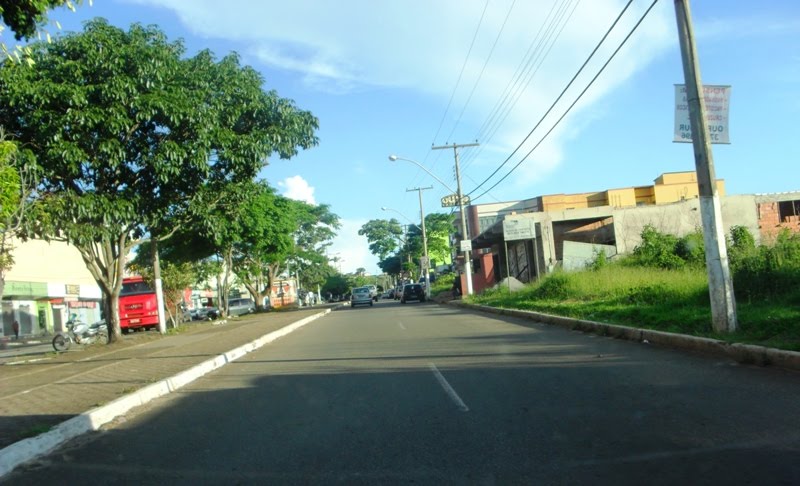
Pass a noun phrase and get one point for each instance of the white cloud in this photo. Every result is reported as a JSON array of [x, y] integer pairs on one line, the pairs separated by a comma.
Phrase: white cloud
[[419, 46], [352, 250], [297, 188]]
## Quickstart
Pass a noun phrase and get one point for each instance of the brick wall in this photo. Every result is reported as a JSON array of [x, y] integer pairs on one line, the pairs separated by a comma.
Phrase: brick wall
[[770, 224]]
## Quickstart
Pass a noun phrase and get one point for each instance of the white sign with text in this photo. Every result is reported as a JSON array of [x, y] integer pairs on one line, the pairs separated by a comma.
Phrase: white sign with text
[[717, 100]]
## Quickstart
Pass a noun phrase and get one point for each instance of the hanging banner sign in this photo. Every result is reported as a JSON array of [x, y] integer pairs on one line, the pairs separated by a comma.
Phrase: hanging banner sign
[[717, 100]]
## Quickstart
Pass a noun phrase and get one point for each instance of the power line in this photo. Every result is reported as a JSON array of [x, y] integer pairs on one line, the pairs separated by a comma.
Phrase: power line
[[524, 74], [572, 105], [483, 69], [580, 70], [463, 66], [531, 74]]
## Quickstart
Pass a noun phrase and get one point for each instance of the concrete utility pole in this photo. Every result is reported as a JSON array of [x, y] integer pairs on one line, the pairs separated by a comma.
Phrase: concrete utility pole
[[162, 320], [426, 266], [720, 285], [464, 227]]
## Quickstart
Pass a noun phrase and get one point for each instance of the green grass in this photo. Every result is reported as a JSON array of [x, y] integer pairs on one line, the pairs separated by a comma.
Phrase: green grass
[[666, 300], [34, 431]]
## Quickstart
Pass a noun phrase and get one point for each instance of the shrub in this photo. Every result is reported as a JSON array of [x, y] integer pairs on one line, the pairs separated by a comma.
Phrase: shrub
[[555, 287], [599, 261], [657, 250], [692, 248]]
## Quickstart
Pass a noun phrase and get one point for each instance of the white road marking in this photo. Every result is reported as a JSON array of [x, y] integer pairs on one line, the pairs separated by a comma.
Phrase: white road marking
[[448, 389], [401, 325]]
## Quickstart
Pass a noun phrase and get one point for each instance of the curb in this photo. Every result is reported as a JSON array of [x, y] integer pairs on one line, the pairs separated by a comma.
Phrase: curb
[[741, 353], [31, 448]]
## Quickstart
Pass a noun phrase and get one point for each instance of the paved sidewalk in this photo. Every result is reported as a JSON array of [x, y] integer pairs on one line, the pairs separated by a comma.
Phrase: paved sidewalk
[[40, 389]]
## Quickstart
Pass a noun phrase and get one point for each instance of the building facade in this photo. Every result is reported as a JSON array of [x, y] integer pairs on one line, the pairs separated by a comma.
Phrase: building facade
[[47, 284], [569, 229]]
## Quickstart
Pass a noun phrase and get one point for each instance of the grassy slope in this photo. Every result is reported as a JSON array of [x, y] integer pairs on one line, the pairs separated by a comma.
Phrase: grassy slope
[[666, 300]]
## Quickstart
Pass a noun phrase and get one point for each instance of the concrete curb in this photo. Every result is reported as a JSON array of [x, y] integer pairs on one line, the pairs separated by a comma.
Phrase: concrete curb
[[31, 448], [741, 353]]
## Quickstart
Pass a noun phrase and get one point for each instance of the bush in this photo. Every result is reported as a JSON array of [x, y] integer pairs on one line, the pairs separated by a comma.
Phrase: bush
[[657, 250], [692, 248], [766, 272], [555, 287]]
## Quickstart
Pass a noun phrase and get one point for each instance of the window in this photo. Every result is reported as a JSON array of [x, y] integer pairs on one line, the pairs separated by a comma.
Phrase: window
[[788, 210]]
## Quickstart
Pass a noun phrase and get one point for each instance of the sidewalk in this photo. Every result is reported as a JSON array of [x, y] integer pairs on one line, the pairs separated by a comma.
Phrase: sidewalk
[[41, 389]]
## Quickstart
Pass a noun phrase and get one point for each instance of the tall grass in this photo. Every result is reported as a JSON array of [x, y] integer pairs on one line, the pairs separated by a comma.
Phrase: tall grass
[[664, 287]]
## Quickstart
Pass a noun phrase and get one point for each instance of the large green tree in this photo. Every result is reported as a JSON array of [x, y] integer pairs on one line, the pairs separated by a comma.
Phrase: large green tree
[[16, 189], [385, 237], [316, 228], [127, 133], [27, 18], [266, 241]]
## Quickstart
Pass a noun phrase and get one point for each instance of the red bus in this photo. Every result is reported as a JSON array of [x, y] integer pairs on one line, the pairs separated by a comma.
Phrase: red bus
[[137, 305]]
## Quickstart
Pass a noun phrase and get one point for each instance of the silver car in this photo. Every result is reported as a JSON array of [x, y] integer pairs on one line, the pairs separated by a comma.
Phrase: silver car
[[361, 295]]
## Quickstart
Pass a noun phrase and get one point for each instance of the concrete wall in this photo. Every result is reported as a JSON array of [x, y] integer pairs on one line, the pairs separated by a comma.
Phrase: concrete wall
[[680, 218], [578, 255]]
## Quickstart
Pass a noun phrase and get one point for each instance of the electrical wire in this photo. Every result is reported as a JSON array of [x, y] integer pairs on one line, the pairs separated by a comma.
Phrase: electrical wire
[[580, 70], [463, 66], [570, 106], [523, 75], [483, 69]]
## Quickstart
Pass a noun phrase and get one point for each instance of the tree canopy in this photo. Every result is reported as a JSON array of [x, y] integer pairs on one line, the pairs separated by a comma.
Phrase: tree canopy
[[128, 134]]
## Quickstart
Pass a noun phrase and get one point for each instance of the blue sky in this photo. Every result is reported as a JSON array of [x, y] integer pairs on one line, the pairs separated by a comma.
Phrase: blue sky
[[396, 76]]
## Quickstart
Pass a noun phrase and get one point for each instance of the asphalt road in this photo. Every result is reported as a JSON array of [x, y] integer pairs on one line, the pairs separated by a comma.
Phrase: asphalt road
[[424, 394]]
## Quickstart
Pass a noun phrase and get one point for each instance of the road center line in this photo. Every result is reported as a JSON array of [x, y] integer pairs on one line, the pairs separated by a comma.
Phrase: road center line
[[448, 389], [401, 325]]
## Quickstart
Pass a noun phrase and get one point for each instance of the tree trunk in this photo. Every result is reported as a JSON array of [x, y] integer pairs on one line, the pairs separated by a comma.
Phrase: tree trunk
[[105, 261]]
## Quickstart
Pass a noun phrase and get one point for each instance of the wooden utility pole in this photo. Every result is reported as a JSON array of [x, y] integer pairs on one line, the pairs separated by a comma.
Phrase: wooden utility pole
[[720, 284]]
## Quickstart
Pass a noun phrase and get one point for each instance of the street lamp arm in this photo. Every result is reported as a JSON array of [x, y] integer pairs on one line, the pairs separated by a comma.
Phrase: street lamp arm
[[384, 208], [394, 158]]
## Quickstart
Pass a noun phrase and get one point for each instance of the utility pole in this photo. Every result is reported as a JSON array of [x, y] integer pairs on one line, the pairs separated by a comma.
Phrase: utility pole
[[464, 228], [720, 284], [162, 321], [426, 264]]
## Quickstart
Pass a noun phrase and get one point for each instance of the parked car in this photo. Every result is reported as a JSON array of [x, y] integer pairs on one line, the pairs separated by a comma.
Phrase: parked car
[[206, 313], [238, 307], [413, 292], [361, 295], [373, 291]]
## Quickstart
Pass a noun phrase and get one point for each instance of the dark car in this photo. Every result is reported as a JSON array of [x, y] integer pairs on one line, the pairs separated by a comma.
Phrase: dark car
[[413, 292], [206, 314]]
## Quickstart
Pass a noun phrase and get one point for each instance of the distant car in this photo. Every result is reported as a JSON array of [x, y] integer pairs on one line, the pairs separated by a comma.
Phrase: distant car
[[206, 313], [237, 307], [413, 292], [361, 295], [186, 313], [373, 291]]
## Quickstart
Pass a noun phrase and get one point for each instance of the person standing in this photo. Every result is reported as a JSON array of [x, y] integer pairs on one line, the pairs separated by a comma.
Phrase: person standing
[[15, 326]]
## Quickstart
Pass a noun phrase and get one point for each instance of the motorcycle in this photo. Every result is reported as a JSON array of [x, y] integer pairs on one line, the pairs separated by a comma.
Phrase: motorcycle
[[80, 333]]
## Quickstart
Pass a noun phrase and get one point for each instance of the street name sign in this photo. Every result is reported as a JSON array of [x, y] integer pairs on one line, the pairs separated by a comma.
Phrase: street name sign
[[451, 200]]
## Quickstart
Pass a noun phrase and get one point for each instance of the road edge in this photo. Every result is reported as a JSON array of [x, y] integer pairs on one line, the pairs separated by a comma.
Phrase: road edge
[[29, 449], [741, 353]]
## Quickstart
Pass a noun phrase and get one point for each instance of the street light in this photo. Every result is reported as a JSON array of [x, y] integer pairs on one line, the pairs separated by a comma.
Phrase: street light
[[425, 268], [464, 231]]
